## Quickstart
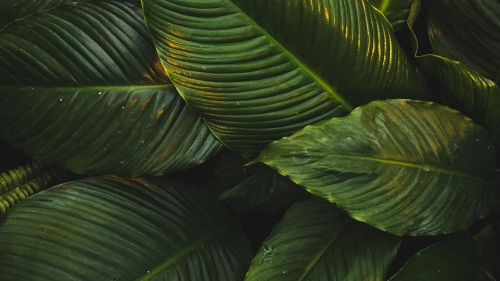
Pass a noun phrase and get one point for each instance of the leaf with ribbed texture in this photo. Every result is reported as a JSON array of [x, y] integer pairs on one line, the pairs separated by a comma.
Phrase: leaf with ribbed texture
[[396, 11], [15, 9], [466, 90], [112, 228], [467, 31], [317, 241], [406, 167], [256, 72], [83, 87], [455, 259], [253, 188]]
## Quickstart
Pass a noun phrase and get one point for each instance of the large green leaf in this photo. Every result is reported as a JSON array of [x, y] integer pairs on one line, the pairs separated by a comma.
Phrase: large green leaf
[[407, 167], [113, 228], [464, 89], [467, 31], [256, 71], [396, 11], [254, 188], [317, 241], [455, 259], [82, 86]]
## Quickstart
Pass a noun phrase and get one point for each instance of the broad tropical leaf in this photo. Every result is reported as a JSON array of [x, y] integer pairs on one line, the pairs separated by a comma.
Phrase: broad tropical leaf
[[466, 90], [317, 241], [17, 185], [253, 188], [396, 11], [112, 228], [256, 72], [82, 86], [489, 244], [15, 9], [455, 259], [467, 31], [406, 167]]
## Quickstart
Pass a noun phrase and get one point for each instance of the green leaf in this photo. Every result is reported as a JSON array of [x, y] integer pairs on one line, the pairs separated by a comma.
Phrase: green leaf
[[112, 228], [466, 90], [406, 167], [317, 241], [489, 244], [254, 188], [467, 31], [17, 185], [396, 11], [256, 72], [455, 259], [83, 87]]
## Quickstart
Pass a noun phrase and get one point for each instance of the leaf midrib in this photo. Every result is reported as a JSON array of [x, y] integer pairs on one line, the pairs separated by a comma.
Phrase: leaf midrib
[[329, 89], [185, 251]]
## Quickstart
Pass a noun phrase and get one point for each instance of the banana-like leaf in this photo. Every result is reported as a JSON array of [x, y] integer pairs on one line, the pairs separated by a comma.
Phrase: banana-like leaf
[[82, 86], [466, 90], [467, 31], [113, 228], [17, 185], [260, 70], [317, 241], [406, 167], [455, 259], [396, 11], [253, 188]]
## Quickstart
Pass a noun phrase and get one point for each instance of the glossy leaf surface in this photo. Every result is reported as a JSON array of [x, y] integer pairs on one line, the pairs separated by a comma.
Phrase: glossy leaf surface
[[406, 167], [396, 11], [467, 31], [256, 72], [317, 241], [112, 228], [82, 86], [455, 259], [253, 188], [465, 90]]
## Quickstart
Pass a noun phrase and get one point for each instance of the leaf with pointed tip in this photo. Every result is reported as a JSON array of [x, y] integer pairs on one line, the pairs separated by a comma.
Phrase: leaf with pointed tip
[[256, 72], [253, 188], [396, 11], [112, 228], [465, 90], [82, 86], [454, 259], [317, 241], [406, 167], [467, 31]]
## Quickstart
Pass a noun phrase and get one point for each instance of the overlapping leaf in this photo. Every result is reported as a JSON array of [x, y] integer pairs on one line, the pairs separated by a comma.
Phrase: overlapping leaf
[[113, 228], [82, 86], [407, 167], [317, 241], [455, 259], [396, 11], [253, 188], [464, 89], [467, 31], [261, 70]]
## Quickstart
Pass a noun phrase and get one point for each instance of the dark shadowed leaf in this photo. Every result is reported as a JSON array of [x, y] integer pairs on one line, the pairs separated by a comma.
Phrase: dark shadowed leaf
[[112, 228], [253, 188], [489, 244], [465, 90], [256, 72], [82, 86], [406, 167], [455, 259], [316, 241], [396, 11], [467, 31]]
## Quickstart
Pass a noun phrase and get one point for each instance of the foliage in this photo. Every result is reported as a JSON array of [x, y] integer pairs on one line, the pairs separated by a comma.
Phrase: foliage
[[323, 99]]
